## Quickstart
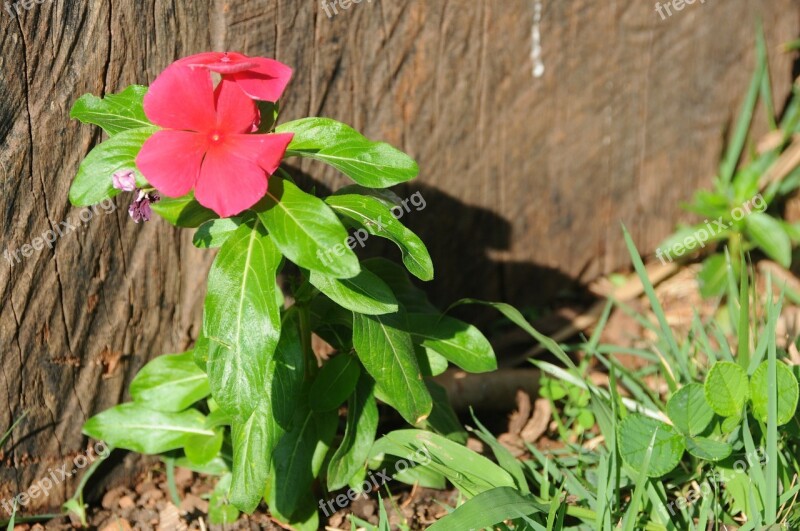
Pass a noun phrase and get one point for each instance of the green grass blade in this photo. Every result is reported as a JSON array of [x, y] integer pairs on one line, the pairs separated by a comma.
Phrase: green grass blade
[[736, 145]]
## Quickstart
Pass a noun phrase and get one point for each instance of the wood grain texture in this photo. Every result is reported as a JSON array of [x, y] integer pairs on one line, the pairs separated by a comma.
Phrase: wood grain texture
[[526, 179]]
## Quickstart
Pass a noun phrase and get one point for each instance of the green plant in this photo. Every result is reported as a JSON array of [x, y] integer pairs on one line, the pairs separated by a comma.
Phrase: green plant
[[251, 403], [743, 209], [719, 448]]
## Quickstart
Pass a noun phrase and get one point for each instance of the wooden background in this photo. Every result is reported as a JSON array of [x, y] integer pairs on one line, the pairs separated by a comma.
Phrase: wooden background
[[526, 179]]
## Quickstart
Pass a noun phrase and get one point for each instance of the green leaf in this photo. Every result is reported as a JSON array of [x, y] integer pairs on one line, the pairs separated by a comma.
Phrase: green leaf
[[410, 297], [787, 392], [708, 449], [377, 219], [726, 388], [241, 319], [459, 342], [115, 113], [431, 363], [299, 457], [215, 467], [364, 293], [488, 509], [220, 511], [359, 434], [689, 411], [183, 211], [469, 471], [388, 355], [335, 382], [254, 439], [215, 232], [306, 230], [134, 427], [634, 435], [372, 164], [713, 276], [170, 383], [94, 183], [768, 234], [201, 449]]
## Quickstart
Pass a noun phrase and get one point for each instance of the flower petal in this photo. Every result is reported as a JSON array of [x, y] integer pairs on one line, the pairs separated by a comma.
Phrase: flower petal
[[220, 62], [182, 98], [265, 82], [265, 150], [236, 113], [171, 160], [229, 184]]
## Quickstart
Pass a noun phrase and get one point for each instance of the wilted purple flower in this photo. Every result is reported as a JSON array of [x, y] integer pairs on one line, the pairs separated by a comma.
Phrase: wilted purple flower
[[124, 180], [140, 208]]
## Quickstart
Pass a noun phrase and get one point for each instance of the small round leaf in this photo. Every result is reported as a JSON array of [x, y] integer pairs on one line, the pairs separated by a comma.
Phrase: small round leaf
[[726, 388], [635, 433], [787, 392]]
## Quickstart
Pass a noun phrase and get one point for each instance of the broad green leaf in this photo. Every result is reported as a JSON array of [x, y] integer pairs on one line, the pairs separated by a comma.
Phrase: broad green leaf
[[689, 411], [215, 232], [634, 435], [93, 183], [254, 439], [386, 351], [431, 363], [377, 219], [469, 471], [372, 164], [183, 211], [115, 113], [241, 319], [410, 297], [364, 293], [170, 383], [201, 449], [334, 383], [726, 388], [220, 511], [306, 230], [488, 509], [708, 449], [459, 342], [767, 232], [362, 422], [787, 392], [298, 458], [134, 427]]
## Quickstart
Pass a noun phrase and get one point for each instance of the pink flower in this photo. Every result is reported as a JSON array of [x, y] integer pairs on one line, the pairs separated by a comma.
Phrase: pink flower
[[260, 78], [140, 207], [204, 145], [124, 180]]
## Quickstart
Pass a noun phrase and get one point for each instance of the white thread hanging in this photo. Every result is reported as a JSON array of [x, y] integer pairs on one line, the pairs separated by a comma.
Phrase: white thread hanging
[[536, 48]]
